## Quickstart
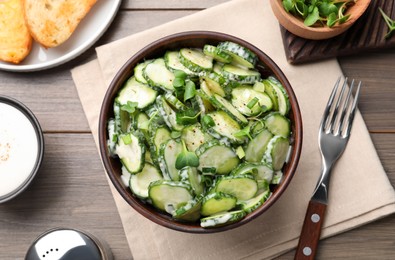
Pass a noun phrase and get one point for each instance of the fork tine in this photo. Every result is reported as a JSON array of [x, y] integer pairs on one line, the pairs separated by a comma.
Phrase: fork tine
[[345, 109], [332, 125], [326, 117], [352, 112]]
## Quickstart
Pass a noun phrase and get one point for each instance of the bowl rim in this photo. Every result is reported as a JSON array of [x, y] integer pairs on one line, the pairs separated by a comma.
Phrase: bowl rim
[[40, 145], [126, 71], [296, 26]]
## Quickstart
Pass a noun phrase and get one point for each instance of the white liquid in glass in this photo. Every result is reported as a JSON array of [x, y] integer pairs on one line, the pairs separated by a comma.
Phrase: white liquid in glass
[[18, 148]]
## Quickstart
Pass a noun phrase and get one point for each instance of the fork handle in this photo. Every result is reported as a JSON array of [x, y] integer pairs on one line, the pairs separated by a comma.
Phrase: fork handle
[[311, 231]]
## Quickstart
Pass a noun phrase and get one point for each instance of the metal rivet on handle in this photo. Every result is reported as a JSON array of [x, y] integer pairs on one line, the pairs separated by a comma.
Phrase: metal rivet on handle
[[315, 218], [307, 251]]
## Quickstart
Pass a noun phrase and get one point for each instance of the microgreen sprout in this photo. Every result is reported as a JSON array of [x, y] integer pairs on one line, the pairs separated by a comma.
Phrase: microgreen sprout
[[129, 107], [244, 132], [390, 23], [186, 158], [319, 12]]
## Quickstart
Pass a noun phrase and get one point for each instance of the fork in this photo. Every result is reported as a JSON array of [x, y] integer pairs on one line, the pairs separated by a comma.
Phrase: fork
[[334, 133]]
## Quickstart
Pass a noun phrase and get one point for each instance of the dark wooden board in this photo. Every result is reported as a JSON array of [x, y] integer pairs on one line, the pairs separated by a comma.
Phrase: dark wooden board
[[366, 35]]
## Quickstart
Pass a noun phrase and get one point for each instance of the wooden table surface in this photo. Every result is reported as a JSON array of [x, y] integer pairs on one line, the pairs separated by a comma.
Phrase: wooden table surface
[[72, 191]]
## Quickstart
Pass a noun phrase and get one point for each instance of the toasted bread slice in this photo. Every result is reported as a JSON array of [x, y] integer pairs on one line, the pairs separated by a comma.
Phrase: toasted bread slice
[[52, 22], [15, 39]]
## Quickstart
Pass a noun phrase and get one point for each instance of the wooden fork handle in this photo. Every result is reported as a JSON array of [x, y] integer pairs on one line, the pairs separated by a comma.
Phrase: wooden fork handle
[[311, 231]]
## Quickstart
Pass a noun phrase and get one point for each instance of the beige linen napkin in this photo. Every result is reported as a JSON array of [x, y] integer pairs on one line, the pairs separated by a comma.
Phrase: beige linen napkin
[[360, 191]]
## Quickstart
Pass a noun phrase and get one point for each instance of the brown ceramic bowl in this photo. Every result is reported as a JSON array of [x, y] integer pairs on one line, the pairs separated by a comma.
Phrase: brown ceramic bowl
[[157, 49], [296, 26]]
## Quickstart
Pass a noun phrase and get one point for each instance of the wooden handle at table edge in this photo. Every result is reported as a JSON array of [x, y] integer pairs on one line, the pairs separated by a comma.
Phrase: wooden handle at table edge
[[311, 231]]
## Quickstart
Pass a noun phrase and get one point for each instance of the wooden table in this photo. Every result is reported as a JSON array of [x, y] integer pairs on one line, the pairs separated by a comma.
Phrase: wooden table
[[72, 191]]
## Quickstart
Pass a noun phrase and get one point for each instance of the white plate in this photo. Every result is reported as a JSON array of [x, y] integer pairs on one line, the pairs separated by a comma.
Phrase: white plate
[[87, 33]]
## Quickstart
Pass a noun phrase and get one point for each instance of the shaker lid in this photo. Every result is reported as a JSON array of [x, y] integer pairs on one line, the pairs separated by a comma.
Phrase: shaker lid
[[64, 244]]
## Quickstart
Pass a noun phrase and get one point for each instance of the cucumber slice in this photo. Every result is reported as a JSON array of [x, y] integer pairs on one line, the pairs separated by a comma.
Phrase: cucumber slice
[[135, 91], [260, 171], [172, 60], [192, 176], [282, 97], [217, 54], [241, 55], [224, 126], [140, 182], [189, 212], [223, 104], [131, 151], [201, 102], [193, 137], [243, 187], [254, 203], [215, 155], [259, 86], [257, 127], [217, 202], [123, 123], [278, 124], [154, 114], [256, 148], [159, 134], [195, 60], [174, 102], [222, 219], [276, 152], [243, 95], [158, 75], [140, 119], [168, 153], [210, 87], [242, 75], [168, 114], [138, 71], [112, 136], [168, 196]]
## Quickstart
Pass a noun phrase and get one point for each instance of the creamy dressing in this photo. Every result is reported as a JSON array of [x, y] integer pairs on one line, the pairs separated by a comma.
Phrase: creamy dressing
[[211, 222], [18, 149]]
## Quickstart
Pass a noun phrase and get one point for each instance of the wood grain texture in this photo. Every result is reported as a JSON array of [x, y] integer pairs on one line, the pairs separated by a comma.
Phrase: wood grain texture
[[367, 34], [72, 168], [311, 231]]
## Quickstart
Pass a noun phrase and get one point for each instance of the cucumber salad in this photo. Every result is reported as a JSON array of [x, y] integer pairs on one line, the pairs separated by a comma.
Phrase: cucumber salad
[[201, 135]]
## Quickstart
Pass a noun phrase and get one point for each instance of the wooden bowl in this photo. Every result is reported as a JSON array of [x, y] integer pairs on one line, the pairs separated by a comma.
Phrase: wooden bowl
[[296, 26], [156, 49]]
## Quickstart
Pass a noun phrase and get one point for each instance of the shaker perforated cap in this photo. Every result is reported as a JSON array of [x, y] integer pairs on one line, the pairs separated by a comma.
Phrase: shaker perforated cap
[[67, 244]]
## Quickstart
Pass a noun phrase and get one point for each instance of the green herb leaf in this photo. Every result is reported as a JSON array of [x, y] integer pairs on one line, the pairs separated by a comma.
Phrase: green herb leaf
[[129, 107], [243, 132], [180, 74], [332, 20], [289, 5], [319, 12], [186, 158], [207, 121], [187, 117], [313, 17], [190, 90], [178, 83]]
